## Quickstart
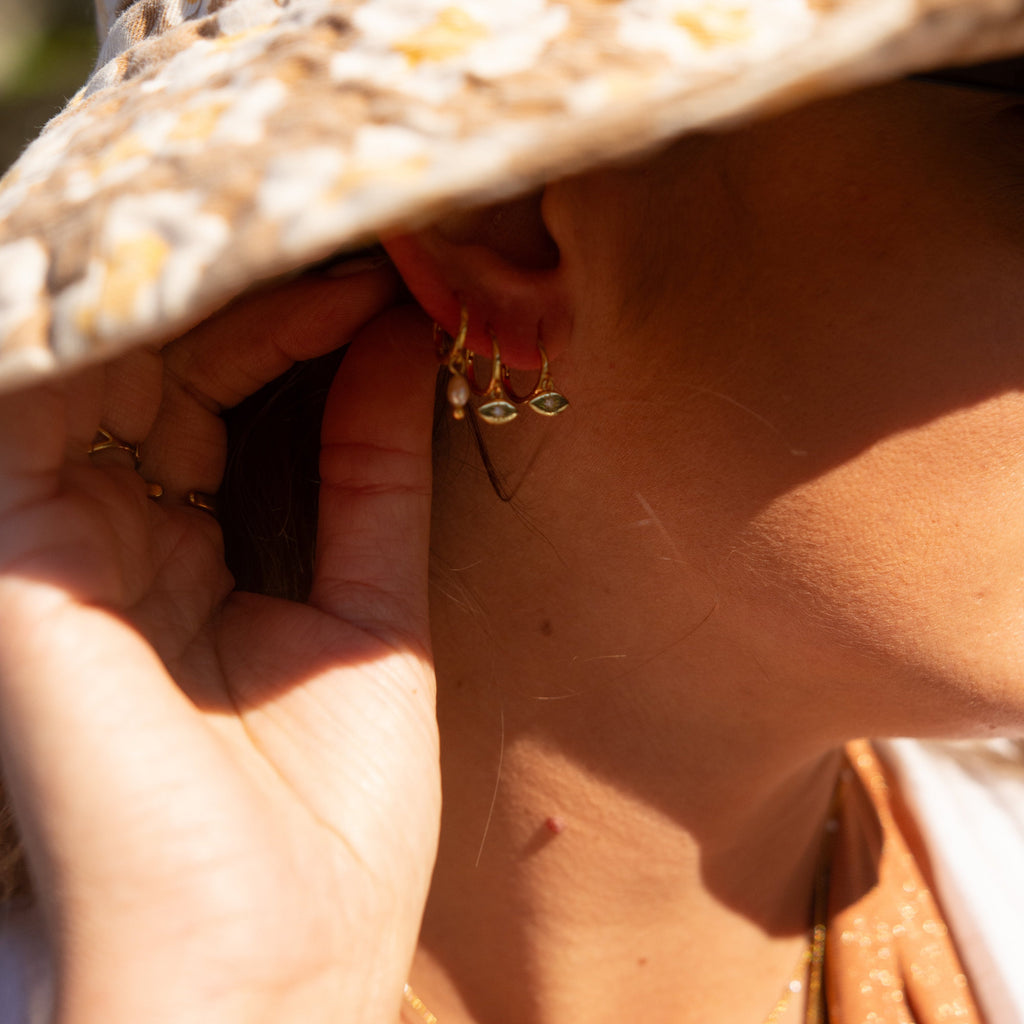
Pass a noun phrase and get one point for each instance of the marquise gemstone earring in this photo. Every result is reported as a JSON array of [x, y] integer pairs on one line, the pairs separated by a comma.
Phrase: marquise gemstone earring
[[495, 405], [545, 398]]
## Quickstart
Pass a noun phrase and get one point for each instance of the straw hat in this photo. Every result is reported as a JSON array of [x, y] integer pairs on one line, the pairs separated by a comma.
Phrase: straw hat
[[221, 142]]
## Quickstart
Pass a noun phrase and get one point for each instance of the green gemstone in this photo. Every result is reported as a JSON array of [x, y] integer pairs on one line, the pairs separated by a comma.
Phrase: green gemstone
[[497, 411], [551, 403]]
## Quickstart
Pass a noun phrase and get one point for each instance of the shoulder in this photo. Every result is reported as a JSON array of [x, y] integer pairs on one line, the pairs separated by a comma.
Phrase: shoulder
[[967, 799], [25, 979]]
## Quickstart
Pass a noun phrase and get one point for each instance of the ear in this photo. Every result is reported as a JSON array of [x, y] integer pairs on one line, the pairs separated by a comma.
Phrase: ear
[[503, 265]]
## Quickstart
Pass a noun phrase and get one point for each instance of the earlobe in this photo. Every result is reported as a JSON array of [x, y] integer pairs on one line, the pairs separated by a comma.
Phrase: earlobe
[[501, 265]]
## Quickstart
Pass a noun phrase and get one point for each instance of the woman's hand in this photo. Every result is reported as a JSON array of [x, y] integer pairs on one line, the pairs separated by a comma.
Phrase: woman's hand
[[229, 803]]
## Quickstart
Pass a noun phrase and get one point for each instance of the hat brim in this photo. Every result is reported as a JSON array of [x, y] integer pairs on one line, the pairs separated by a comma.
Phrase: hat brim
[[237, 144]]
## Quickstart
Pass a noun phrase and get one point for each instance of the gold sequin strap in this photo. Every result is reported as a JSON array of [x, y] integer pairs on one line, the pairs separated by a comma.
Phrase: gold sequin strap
[[890, 958]]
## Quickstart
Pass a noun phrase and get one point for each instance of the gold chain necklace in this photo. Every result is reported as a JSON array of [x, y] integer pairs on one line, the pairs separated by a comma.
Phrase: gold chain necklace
[[810, 966], [812, 956], [793, 986]]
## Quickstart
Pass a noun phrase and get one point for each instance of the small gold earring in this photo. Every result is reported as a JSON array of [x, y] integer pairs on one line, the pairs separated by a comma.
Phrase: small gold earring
[[495, 406], [545, 398], [457, 361]]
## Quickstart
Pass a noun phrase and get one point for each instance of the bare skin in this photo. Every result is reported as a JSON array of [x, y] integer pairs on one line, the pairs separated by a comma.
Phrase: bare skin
[[782, 512], [715, 573], [189, 766]]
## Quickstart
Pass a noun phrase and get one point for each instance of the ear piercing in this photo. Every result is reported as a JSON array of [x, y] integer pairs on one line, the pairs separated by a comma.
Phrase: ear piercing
[[498, 400]]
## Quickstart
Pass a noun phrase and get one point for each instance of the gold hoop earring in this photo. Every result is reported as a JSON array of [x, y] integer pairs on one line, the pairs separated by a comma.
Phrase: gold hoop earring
[[459, 368], [495, 405], [498, 400], [545, 398]]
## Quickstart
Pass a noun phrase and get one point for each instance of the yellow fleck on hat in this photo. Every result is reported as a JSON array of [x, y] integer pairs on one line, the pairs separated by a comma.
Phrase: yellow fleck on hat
[[220, 142]]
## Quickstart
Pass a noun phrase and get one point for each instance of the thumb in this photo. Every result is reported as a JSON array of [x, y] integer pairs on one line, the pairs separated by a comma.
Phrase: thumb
[[375, 465]]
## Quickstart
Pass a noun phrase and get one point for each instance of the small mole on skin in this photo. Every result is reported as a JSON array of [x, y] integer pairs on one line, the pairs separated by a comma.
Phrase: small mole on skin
[[555, 825], [641, 961], [545, 627]]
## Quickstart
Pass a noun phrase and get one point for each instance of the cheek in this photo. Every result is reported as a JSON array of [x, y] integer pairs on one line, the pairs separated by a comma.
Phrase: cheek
[[899, 575]]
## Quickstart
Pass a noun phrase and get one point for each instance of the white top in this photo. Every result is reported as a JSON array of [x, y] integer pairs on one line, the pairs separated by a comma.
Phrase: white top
[[968, 799]]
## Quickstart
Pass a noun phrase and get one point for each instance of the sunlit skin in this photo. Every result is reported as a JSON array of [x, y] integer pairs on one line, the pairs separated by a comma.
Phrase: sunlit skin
[[782, 512]]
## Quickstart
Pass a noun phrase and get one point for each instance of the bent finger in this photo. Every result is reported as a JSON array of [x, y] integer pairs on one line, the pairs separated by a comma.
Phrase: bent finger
[[257, 338], [375, 464], [235, 353]]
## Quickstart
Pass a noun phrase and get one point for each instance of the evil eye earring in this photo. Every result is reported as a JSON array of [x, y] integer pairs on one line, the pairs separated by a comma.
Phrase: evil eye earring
[[498, 400], [545, 398], [495, 405]]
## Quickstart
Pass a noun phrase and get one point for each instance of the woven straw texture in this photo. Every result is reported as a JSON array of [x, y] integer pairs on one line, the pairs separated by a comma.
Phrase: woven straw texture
[[221, 143]]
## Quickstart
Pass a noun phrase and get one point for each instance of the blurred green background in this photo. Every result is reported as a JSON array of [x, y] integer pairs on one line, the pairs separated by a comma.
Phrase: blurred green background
[[47, 48]]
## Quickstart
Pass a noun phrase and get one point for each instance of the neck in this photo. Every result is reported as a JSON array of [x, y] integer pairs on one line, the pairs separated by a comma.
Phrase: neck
[[627, 834]]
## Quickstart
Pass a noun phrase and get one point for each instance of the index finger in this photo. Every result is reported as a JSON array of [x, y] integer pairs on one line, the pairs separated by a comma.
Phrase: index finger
[[239, 350], [258, 337]]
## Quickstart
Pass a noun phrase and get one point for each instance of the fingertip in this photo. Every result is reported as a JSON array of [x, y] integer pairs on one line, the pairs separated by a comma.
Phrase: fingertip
[[386, 380], [260, 335]]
